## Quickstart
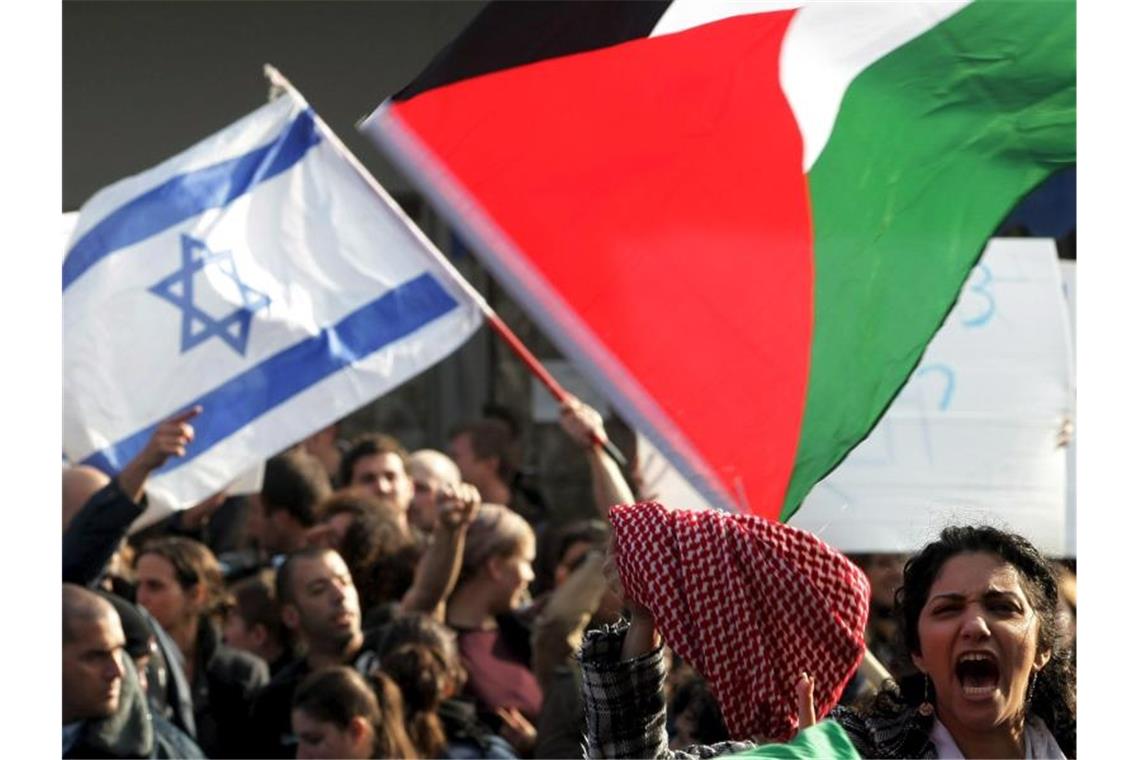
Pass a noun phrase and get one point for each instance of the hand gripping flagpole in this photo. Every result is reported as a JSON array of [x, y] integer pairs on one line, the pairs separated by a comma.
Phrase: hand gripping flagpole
[[279, 85]]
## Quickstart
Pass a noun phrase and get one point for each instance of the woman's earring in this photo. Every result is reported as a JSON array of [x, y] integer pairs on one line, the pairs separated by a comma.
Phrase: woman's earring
[[926, 709], [1029, 691]]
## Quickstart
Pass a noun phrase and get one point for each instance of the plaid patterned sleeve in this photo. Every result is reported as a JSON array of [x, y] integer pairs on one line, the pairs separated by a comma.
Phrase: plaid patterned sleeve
[[624, 699], [625, 702]]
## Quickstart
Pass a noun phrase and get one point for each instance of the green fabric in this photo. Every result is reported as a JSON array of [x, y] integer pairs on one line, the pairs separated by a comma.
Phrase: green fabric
[[823, 740], [933, 145]]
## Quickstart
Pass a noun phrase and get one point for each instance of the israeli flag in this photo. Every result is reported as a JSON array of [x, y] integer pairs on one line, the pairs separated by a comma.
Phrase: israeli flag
[[262, 275]]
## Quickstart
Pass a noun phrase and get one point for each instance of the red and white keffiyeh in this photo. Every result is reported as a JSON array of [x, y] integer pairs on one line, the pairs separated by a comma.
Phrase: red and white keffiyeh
[[750, 603]]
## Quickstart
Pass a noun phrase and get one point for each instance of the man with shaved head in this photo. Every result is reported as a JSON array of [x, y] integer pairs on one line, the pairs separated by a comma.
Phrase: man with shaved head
[[93, 642], [318, 603], [80, 483], [105, 710], [432, 473]]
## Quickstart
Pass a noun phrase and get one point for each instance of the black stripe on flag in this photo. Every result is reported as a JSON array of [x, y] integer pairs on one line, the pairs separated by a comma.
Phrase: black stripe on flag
[[512, 33]]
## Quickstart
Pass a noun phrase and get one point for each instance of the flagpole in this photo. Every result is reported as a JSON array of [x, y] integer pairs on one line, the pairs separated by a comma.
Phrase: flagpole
[[278, 85]]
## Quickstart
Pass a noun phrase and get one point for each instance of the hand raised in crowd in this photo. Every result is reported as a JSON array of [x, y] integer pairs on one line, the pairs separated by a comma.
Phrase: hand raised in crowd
[[438, 569], [458, 506], [517, 730], [642, 636], [169, 439], [805, 700], [582, 423]]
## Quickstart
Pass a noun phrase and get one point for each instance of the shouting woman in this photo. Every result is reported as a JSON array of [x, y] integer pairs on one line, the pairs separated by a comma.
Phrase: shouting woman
[[977, 613]]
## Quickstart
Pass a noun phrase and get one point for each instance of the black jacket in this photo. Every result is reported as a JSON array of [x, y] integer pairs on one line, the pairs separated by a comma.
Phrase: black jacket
[[270, 727], [93, 535], [226, 680]]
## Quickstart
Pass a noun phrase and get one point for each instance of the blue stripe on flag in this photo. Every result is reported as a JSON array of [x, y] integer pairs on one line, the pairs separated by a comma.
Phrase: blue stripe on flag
[[241, 400], [187, 195]]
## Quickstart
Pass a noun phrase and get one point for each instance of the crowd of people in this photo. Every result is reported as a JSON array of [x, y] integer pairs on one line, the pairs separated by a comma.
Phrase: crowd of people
[[371, 602]]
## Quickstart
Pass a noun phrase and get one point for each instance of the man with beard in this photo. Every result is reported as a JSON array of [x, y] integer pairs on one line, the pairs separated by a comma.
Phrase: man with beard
[[319, 604], [93, 643]]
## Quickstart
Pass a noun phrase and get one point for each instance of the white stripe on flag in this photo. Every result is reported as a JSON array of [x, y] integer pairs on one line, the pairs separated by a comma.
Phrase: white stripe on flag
[[827, 45], [275, 287]]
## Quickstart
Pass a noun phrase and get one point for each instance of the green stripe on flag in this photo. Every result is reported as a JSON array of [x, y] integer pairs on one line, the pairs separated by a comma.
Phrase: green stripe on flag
[[934, 144], [825, 739]]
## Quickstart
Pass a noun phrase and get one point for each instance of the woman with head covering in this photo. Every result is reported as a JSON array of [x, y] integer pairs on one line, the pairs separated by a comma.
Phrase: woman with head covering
[[977, 614]]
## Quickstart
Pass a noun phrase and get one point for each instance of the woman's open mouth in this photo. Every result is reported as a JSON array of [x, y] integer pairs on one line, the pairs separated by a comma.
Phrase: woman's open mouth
[[979, 674]]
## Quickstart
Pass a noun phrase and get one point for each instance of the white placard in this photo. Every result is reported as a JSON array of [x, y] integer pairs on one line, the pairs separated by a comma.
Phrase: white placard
[[1069, 281], [973, 436]]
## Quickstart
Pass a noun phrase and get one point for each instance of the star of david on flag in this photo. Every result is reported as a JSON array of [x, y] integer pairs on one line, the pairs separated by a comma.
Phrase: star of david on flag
[[261, 275], [197, 324]]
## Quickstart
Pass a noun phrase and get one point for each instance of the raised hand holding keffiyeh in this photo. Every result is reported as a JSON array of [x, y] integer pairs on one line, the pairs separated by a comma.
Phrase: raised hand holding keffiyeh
[[751, 603]]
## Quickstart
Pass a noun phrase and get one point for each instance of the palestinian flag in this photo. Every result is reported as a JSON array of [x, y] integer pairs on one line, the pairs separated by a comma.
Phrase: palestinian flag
[[747, 227]]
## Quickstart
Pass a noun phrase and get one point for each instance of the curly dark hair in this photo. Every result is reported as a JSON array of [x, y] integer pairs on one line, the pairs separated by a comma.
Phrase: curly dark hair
[[420, 655], [379, 552], [418, 628], [1054, 695]]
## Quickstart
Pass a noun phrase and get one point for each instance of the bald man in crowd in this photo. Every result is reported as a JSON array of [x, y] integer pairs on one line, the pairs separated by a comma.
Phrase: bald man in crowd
[[93, 642], [105, 710], [432, 473], [80, 483]]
